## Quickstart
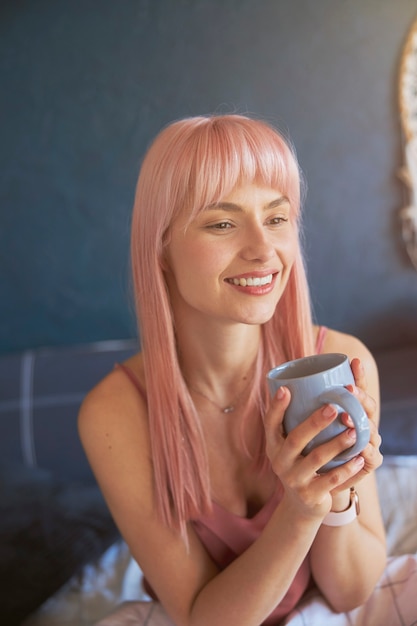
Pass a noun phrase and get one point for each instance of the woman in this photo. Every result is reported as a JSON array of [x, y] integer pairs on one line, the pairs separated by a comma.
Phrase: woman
[[225, 516]]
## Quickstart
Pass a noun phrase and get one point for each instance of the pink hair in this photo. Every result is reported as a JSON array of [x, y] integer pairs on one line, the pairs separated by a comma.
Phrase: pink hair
[[192, 163]]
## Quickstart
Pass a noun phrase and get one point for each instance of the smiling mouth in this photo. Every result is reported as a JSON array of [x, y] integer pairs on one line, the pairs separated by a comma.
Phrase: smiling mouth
[[251, 281]]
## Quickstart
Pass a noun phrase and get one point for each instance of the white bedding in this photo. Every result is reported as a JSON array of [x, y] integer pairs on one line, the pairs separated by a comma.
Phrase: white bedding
[[394, 601], [116, 577]]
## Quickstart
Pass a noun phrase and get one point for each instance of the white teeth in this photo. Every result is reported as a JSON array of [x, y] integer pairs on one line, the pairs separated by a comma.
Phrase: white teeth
[[252, 281]]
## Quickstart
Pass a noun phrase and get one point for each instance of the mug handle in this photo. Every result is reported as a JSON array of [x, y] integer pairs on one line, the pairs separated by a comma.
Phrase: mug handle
[[349, 404]]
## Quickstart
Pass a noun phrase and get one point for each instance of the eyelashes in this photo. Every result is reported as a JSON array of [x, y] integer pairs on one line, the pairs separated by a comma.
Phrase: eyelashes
[[226, 225]]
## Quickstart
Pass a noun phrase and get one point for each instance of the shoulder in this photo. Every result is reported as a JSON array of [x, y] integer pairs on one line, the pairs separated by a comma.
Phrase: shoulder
[[337, 341], [114, 432], [114, 413], [354, 348], [116, 389]]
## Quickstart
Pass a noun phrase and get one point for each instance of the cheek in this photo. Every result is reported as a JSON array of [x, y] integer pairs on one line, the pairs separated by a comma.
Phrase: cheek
[[291, 252], [187, 262], [291, 247], [200, 257]]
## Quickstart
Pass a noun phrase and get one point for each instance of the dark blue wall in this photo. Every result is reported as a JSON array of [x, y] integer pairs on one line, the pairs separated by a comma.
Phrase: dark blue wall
[[86, 84]]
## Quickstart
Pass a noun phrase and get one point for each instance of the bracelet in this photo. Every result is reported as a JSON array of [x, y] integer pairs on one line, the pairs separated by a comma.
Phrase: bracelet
[[348, 515]]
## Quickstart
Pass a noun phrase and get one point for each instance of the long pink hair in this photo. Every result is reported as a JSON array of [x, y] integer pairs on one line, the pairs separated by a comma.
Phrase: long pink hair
[[192, 163]]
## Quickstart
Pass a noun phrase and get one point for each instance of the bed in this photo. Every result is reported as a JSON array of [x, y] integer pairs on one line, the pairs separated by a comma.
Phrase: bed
[[115, 578]]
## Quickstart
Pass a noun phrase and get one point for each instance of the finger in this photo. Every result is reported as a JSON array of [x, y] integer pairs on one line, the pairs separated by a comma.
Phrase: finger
[[346, 475], [372, 460], [326, 452], [374, 436], [370, 407], [273, 418], [342, 476], [375, 439], [365, 399], [372, 455], [298, 438], [346, 420], [358, 372]]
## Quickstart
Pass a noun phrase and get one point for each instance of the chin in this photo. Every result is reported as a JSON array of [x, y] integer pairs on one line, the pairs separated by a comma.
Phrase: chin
[[257, 318]]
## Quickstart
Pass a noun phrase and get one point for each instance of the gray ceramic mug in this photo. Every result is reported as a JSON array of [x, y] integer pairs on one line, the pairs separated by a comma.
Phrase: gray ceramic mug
[[315, 381]]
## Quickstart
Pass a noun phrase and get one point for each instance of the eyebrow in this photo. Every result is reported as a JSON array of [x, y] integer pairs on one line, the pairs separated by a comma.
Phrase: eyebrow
[[231, 206]]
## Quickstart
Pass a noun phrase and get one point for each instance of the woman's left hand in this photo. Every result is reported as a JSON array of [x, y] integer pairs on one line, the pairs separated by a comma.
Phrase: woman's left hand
[[371, 453]]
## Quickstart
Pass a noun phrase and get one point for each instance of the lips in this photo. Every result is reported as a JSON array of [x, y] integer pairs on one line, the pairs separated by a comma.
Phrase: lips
[[251, 281]]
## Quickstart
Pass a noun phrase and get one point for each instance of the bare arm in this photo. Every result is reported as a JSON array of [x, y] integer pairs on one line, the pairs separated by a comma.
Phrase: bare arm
[[347, 561], [113, 429], [114, 432]]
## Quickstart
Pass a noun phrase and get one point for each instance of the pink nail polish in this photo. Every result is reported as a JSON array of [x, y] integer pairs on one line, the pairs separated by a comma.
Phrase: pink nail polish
[[280, 393], [328, 410]]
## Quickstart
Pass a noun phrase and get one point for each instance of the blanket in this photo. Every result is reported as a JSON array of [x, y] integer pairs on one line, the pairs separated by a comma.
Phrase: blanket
[[115, 580], [393, 603]]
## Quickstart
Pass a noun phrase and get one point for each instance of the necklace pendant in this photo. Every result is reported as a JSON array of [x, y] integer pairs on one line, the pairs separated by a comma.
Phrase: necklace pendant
[[228, 409]]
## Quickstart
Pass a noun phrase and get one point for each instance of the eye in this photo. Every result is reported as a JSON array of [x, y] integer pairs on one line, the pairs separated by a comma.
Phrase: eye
[[277, 220], [220, 226]]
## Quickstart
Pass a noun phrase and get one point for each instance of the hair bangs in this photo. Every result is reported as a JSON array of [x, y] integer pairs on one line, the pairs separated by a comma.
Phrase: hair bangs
[[229, 151]]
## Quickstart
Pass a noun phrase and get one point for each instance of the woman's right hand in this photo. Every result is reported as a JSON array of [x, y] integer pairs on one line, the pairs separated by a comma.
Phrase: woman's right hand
[[309, 492]]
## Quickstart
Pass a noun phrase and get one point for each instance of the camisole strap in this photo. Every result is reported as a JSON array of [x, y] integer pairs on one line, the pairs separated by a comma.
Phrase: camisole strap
[[132, 376], [321, 336]]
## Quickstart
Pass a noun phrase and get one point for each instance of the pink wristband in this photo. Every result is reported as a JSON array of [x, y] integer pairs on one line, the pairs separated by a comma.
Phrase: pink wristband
[[348, 515]]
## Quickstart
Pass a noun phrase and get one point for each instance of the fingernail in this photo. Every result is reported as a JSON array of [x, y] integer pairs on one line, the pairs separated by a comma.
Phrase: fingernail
[[351, 433], [328, 410], [280, 393], [359, 461]]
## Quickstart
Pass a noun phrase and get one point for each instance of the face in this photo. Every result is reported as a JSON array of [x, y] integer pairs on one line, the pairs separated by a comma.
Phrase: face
[[233, 261]]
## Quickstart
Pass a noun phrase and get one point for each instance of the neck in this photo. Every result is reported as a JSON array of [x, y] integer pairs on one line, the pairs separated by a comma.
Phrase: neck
[[215, 360]]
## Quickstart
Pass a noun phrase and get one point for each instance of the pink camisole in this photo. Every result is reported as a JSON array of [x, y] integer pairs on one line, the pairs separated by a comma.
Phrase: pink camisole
[[225, 535]]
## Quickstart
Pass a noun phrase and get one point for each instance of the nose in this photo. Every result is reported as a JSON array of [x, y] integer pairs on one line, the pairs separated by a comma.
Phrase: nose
[[257, 244]]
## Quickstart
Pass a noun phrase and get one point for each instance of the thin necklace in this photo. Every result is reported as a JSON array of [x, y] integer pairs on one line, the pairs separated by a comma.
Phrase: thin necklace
[[229, 408]]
